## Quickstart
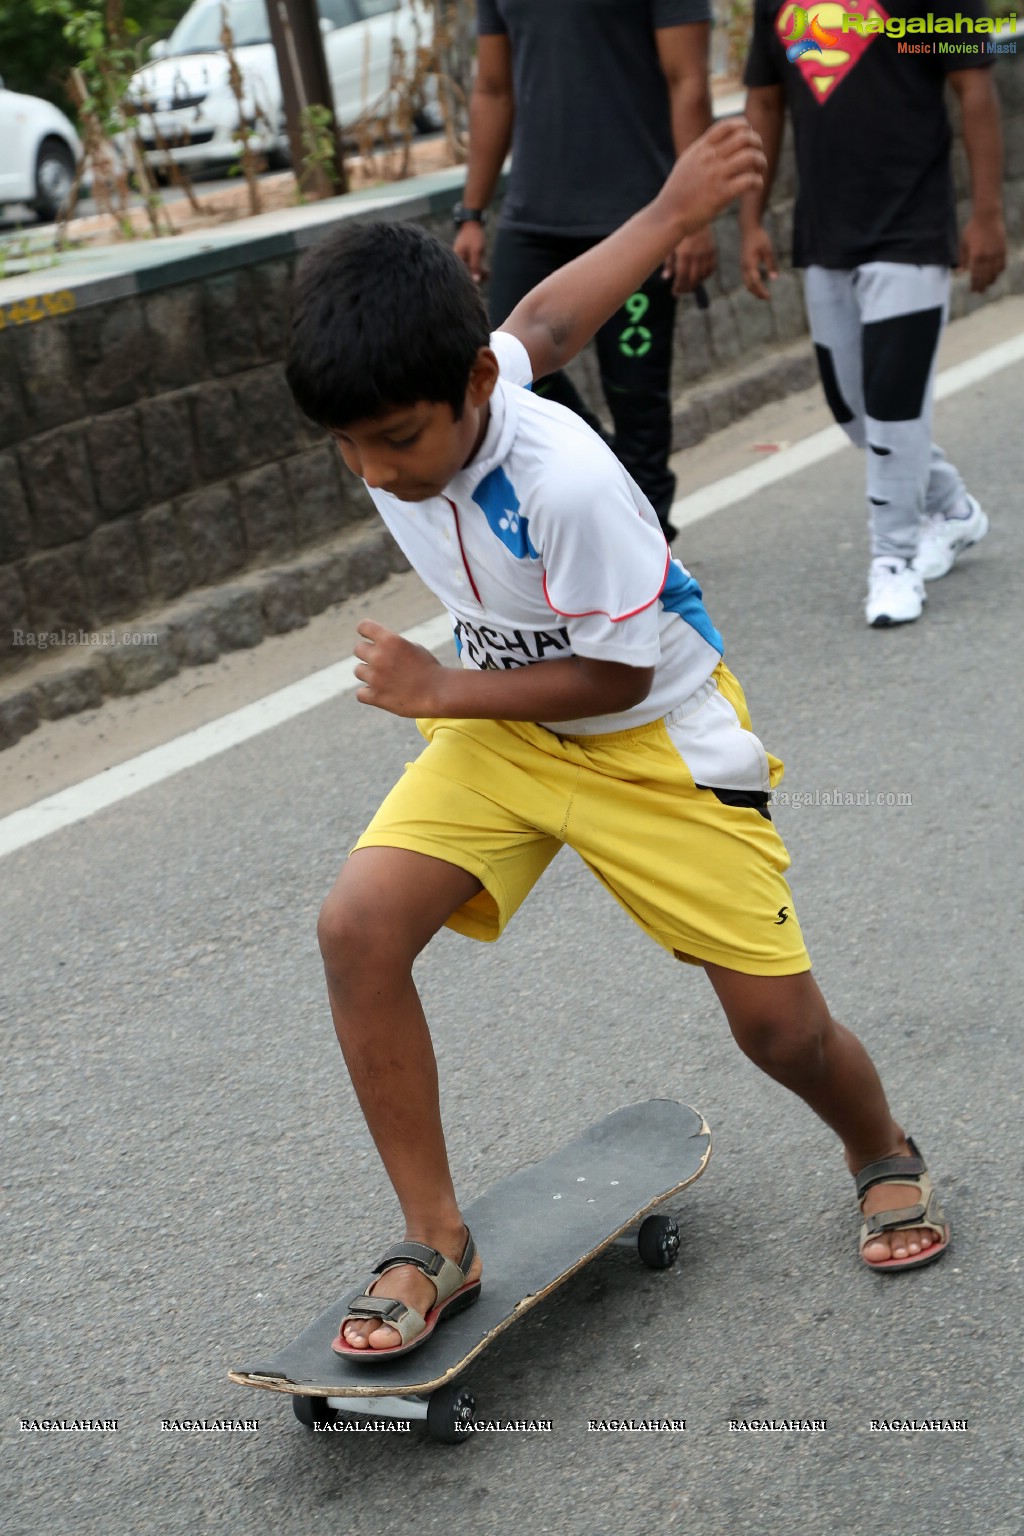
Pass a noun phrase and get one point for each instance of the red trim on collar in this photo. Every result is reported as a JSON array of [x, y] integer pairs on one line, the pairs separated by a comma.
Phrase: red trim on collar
[[462, 551]]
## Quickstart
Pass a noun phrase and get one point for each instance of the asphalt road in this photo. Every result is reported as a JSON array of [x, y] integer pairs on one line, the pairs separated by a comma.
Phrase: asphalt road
[[189, 1180]]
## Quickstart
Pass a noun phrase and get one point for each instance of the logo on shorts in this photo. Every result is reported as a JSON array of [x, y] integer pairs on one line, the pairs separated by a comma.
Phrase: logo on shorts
[[783, 914]]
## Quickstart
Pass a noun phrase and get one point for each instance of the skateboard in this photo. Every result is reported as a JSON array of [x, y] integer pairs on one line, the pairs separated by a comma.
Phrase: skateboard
[[535, 1228]]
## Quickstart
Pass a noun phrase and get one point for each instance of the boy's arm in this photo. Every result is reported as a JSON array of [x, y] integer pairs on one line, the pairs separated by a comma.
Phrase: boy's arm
[[558, 317], [683, 56], [983, 246], [765, 110], [491, 115], [406, 679]]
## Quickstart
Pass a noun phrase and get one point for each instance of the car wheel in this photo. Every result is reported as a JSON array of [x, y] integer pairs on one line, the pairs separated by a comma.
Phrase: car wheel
[[55, 175]]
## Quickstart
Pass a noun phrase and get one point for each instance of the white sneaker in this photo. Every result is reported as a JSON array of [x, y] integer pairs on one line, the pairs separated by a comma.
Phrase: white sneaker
[[896, 592], [944, 538]]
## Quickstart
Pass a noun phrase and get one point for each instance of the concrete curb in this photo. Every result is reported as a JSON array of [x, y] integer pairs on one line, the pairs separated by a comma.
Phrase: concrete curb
[[195, 631]]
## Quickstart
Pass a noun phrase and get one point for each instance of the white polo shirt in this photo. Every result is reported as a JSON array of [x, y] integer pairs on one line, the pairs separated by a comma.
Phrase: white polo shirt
[[544, 546]]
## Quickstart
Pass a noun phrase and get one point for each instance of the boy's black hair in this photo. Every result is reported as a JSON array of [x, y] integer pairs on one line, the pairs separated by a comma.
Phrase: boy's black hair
[[383, 315]]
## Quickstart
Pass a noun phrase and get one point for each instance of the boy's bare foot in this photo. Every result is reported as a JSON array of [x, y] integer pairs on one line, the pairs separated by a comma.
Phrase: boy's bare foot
[[887, 1246], [410, 1285]]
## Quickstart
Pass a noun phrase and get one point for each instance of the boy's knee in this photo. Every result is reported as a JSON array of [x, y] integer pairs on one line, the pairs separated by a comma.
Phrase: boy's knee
[[360, 933], [781, 1043], [338, 931]]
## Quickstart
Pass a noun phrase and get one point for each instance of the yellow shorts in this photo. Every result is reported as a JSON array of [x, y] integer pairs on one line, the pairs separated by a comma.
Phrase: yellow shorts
[[699, 868]]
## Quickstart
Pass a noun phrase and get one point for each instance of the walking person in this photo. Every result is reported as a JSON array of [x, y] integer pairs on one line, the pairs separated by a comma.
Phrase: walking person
[[597, 98], [874, 229]]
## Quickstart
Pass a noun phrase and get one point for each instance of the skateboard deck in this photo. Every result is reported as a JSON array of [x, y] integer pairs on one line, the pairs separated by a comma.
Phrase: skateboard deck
[[535, 1228]]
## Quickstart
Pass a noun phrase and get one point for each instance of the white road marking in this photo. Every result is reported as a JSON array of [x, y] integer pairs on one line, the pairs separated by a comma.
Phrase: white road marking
[[822, 445], [104, 789], [95, 794]]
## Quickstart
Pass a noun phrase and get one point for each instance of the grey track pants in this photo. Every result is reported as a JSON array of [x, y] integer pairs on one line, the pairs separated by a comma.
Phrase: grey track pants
[[876, 331]]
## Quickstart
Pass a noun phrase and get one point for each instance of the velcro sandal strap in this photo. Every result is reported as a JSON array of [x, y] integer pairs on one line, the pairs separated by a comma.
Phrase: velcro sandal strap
[[406, 1321], [388, 1310], [891, 1170], [892, 1221], [418, 1254], [447, 1276]]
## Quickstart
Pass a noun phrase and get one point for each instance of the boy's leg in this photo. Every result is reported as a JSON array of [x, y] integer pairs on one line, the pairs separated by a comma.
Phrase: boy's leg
[[384, 908], [783, 1024]]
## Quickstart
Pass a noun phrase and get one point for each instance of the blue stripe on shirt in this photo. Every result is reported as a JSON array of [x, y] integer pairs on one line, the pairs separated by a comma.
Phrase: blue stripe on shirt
[[682, 595]]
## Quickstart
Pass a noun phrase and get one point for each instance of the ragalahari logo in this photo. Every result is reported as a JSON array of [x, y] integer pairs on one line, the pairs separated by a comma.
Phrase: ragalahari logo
[[821, 46]]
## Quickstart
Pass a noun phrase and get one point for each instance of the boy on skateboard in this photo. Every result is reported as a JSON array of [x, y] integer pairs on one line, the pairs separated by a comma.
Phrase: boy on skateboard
[[592, 708]]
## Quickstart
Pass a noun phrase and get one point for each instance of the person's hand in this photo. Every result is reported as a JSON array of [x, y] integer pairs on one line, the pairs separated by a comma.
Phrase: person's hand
[[983, 250], [757, 261], [693, 260], [723, 164], [395, 674], [470, 245]]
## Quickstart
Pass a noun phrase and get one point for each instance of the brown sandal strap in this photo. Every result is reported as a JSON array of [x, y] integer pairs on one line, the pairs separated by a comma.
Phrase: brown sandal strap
[[891, 1170]]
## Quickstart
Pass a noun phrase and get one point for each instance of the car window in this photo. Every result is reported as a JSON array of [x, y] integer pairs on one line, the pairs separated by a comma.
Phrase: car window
[[377, 7], [199, 29], [341, 13]]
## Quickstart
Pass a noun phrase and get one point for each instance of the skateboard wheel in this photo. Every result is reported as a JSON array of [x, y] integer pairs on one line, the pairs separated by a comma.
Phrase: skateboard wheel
[[658, 1242], [312, 1411], [449, 1410]]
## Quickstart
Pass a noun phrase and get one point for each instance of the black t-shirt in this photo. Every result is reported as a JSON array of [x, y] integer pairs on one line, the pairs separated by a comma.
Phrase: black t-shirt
[[871, 131], [592, 140]]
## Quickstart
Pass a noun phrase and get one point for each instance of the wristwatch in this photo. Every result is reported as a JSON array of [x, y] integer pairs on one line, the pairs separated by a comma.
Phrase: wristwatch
[[463, 215]]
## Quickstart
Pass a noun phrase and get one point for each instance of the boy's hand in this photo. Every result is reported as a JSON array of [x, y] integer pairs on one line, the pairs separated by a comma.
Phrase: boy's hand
[[396, 675], [983, 250], [720, 166], [757, 260]]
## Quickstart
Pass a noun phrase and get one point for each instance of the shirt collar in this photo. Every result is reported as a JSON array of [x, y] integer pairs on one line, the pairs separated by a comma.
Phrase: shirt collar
[[498, 439]]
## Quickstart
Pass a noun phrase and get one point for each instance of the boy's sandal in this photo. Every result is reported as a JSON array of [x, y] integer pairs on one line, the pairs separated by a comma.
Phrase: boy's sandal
[[453, 1294], [928, 1213]]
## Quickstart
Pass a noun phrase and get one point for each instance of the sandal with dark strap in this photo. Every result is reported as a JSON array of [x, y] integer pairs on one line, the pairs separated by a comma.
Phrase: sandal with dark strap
[[454, 1293], [927, 1213]]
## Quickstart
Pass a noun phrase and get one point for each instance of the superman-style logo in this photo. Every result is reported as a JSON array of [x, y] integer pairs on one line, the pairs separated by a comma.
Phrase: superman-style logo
[[817, 45]]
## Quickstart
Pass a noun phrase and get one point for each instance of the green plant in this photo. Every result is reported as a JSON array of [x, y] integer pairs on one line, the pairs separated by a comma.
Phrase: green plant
[[319, 149], [250, 163], [101, 38], [737, 24]]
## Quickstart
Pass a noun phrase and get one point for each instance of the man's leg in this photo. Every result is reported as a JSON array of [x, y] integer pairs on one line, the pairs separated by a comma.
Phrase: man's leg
[[634, 349], [845, 349], [903, 310], [918, 497], [519, 262], [953, 519], [835, 331], [384, 908], [783, 1024]]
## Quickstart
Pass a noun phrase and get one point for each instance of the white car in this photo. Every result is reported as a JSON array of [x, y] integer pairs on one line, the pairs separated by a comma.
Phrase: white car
[[184, 103], [39, 150]]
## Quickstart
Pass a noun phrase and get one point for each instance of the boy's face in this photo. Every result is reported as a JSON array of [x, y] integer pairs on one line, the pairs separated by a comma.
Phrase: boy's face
[[414, 450]]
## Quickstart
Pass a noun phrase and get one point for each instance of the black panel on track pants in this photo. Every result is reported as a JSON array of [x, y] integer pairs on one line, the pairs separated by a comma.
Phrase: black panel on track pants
[[634, 350]]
